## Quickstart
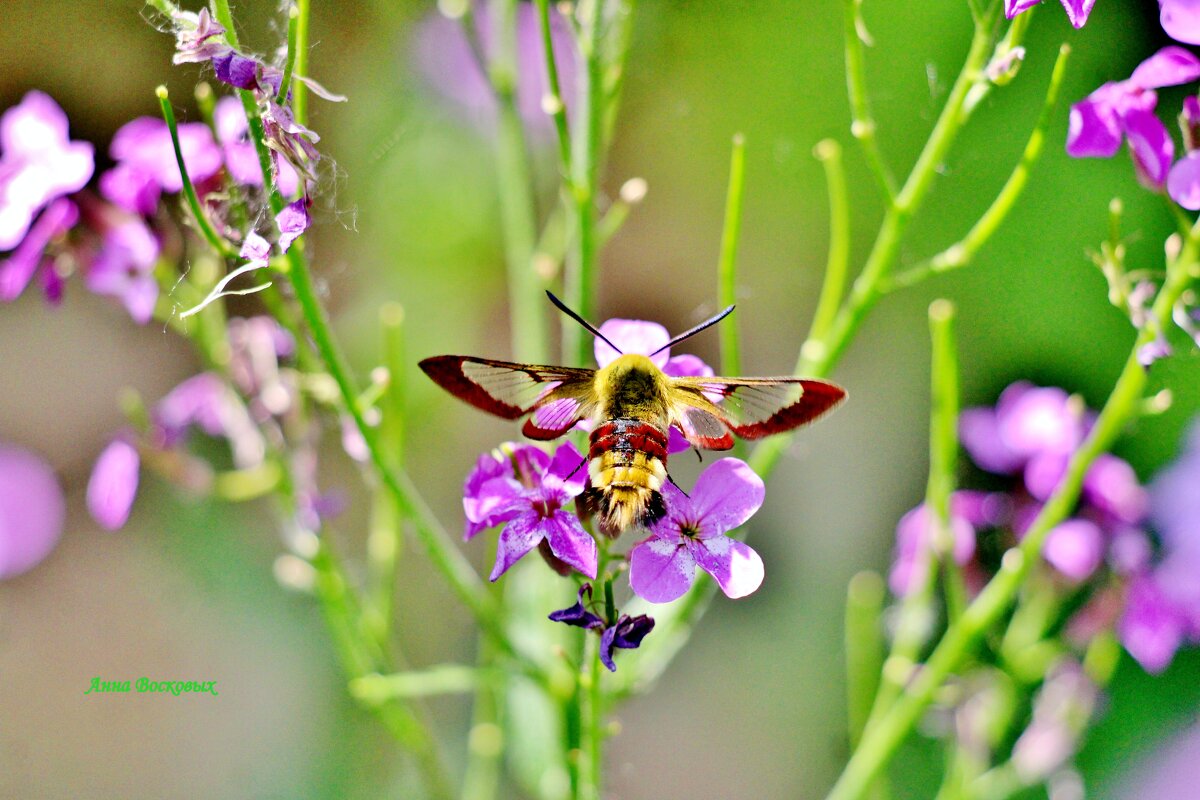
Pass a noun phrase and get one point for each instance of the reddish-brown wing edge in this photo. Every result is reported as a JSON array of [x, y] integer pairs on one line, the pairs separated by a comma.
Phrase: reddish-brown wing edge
[[447, 372], [819, 398], [577, 391], [684, 400]]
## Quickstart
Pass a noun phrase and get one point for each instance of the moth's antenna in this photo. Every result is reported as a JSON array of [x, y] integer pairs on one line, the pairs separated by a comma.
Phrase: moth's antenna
[[693, 331], [589, 326]]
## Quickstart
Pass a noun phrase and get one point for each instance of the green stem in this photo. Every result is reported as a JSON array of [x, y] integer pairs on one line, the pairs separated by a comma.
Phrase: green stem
[[961, 637], [300, 90], [516, 202], [189, 191], [863, 125], [485, 742], [829, 153], [731, 353], [962, 252], [553, 101], [591, 763], [943, 450], [580, 286], [864, 648], [290, 59]]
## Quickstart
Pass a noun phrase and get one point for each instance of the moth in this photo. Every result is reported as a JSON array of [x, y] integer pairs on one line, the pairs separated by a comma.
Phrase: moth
[[631, 405]]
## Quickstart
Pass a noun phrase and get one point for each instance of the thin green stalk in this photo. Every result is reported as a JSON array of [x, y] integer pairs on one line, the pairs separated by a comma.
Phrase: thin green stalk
[[865, 595], [553, 103], [290, 59], [516, 201], [189, 190], [862, 126], [731, 353], [818, 356], [300, 90], [591, 763], [485, 741], [943, 450], [962, 252], [440, 679], [829, 153], [580, 288], [960, 639]]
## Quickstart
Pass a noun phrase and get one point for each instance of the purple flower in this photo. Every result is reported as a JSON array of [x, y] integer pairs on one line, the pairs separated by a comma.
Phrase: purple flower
[[1183, 181], [969, 511], [533, 508], [196, 37], [19, 268], [1152, 627], [241, 157], [578, 615], [256, 344], [38, 162], [1028, 423], [290, 142], [146, 164], [445, 58], [643, 338], [1125, 109], [32, 510], [292, 221], [692, 533], [1181, 20], [113, 484], [1075, 548], [1077, 10], [124, 268], [482, 501], [1061, 710], [627, 634], [206, 402]]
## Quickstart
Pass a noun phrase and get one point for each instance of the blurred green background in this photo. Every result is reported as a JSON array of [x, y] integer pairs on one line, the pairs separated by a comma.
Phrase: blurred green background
[[753, 708]]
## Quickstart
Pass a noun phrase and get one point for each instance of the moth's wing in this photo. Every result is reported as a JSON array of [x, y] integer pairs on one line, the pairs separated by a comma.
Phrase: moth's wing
[[558, 396], [751, 407], [698, 418]]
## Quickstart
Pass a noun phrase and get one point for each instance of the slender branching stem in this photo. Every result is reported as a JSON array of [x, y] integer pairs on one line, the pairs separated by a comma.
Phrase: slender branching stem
[[862, 126], [731, 353], [833, 288], [189, 190]]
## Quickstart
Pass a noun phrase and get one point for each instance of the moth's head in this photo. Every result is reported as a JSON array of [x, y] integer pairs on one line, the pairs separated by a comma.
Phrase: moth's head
[[630, 363]]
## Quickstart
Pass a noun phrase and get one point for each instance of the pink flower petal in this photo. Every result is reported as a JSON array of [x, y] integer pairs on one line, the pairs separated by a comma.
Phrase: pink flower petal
[[113, 484], [1183, 181], [1181, 20], [518, 538], [632, 336], [661, 569], [1170, 66], [570, 542], [1078, 11], [1075, 548], [737, 569], [32, 510], [725, 496]]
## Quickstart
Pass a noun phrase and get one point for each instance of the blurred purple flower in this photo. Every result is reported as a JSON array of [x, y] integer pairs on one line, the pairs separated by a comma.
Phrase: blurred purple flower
[[1181, 20], [1125, 109], [124, 268], [38, 162], [533, 507], [206, 402], [445, 58], [692, 533], [1075, 548], [627, 634], [113, 485], [1029, 423], [146, 164], [643, 338], [969, 511], [1062, 709], [1077, 10], [22, 264], [292, 222], [291, 143], [1183, 181], [256, 345], [32, 510], [198, 37], [241, 157], [1151, 627]]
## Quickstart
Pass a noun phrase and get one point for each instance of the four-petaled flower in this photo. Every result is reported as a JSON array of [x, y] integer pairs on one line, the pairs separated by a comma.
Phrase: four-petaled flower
[[530, 498], [1125, 110], [692, 533]]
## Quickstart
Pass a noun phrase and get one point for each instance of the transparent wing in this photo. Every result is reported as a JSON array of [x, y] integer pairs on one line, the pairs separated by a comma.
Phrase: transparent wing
[[754, 407], [512, 390]]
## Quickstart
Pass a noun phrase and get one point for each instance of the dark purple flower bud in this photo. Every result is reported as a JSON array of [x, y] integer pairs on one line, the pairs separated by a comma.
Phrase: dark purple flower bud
[[235, 69], [577, 614], [39, 163], [626, 634], [32, 510], [113, 484]]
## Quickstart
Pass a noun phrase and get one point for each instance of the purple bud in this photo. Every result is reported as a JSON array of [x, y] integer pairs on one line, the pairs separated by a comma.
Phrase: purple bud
[[31, 510], [1075, 548], [113, 484]]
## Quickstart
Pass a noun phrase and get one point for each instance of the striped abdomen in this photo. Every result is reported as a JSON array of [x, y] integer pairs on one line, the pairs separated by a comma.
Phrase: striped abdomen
[[627, 464]]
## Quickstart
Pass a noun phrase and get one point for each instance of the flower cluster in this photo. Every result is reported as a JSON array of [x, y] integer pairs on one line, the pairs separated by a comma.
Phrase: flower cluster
[[528, 491], [1103, 551]]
